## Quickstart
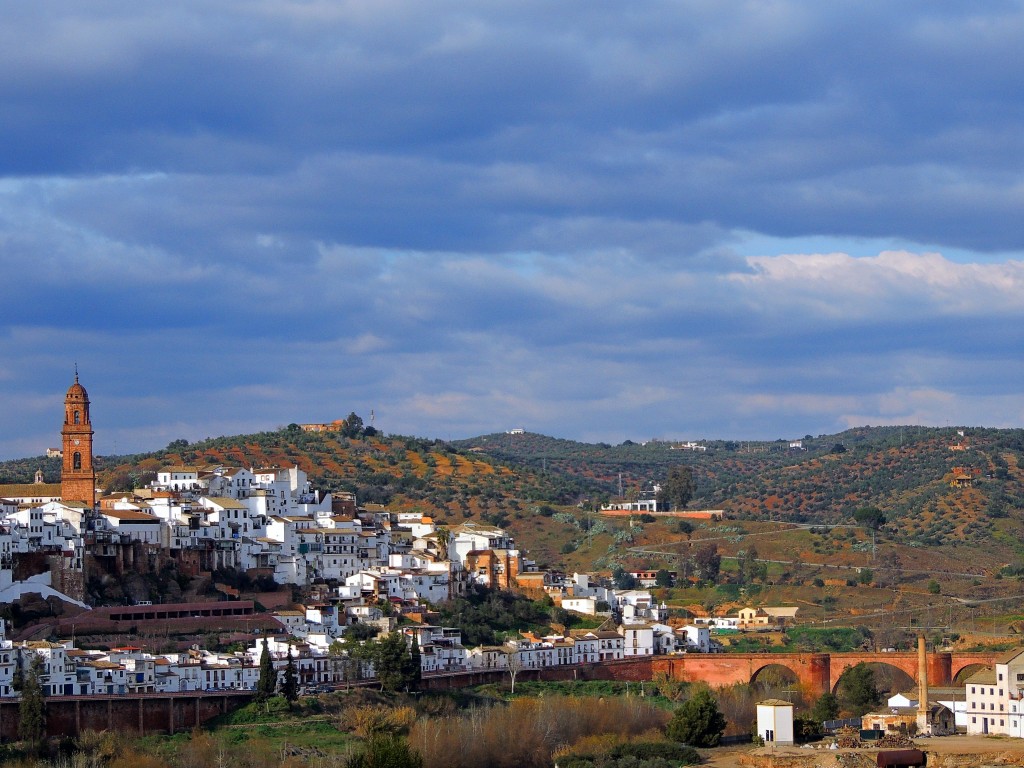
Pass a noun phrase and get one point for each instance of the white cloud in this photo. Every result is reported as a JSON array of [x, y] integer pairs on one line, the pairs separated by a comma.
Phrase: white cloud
[[887, 284]]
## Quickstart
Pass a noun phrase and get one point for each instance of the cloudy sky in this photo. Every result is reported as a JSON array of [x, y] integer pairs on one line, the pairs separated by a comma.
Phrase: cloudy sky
[[601, 221]]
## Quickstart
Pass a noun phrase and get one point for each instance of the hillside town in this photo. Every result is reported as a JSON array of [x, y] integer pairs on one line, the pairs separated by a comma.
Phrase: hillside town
[[365, 565], [363, 571]]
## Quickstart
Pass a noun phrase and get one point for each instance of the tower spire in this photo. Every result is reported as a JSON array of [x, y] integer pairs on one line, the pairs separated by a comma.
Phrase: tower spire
[[78, 476]]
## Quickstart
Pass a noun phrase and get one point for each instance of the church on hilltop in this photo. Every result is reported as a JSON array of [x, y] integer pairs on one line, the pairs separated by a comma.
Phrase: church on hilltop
[[42, 525], [78, 476]]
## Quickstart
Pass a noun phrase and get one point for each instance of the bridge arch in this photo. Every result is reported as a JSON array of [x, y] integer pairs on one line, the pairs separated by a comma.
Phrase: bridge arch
[[939, 666], [889, 676], [774, 676], [811, 671], [965, 671]]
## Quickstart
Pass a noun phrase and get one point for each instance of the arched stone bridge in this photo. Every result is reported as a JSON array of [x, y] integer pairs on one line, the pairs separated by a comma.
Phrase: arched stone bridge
[[818, 672]]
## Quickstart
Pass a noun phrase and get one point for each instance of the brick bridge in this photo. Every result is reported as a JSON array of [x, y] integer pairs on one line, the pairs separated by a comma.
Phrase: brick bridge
[[817, 672]]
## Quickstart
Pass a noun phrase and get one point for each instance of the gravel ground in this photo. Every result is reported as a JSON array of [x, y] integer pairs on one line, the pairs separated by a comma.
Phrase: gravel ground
[[960, 751]]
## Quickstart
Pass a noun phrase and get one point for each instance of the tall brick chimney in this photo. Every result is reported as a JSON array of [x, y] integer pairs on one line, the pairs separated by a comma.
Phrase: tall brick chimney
[[923, 724]]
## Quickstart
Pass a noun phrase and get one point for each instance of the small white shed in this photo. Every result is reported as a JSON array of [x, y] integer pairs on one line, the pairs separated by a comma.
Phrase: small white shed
[[775, 721]]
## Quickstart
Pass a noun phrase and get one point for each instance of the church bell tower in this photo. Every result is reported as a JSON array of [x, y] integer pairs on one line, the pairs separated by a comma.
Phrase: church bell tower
[[78, 477]]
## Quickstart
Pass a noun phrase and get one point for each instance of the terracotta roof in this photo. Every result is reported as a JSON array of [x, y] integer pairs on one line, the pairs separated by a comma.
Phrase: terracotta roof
[[985, 676], [130, 516], [1008, 656], [101, 664], [225, 503], [30, 491]]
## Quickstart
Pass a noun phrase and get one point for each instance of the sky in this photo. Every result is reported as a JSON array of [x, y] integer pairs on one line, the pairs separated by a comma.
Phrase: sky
[[599, 221]]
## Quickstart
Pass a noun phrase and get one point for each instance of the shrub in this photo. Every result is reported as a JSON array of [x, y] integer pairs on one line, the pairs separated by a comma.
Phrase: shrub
[[667, 750], [385, 751], [697, 722], [526, 732]]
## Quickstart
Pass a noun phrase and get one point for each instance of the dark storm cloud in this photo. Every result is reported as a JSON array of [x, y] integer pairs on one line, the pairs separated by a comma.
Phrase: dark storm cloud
[[467, 217]]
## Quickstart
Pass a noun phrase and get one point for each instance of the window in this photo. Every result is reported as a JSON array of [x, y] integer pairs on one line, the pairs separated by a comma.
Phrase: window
[[76, 462], [78, 417]]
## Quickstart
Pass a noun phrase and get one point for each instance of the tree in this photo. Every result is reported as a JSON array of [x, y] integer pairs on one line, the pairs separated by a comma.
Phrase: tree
[[678, 488], [707, 563], [623, 580], [684, 568], [267, 684], [825, 708], [513, 663], [353, 426], [749, 567], [859, 693], [698, 721], [177, 446], [396, 664], [806, 729], [346, 661], [361, 631], [663, 578], [443, 538], [32, 707], [290, 684], [869, 517]]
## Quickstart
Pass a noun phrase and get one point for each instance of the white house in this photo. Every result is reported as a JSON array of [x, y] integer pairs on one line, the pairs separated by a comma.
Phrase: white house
[[695, 638], [994, 697], [177, 479], [584, 605], [637, 639], [775, 721], [229, 482], [58, 672], [610, 644], [136, 524], [8, 662]]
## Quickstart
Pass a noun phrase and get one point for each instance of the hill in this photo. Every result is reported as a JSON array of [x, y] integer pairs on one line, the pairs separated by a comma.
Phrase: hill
[[949, 557], [906, 471], [524, 480]]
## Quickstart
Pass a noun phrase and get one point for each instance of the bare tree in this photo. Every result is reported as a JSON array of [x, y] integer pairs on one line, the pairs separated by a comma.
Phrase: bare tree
[[513, 665]]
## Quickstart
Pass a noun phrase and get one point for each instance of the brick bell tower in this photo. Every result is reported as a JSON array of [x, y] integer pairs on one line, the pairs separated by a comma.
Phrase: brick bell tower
[[77, 477]]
